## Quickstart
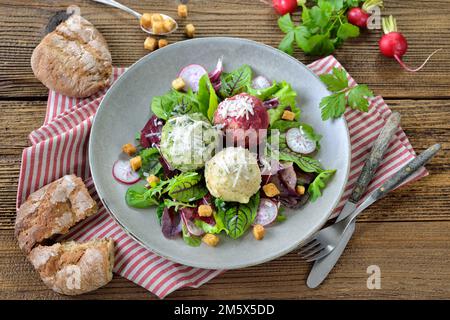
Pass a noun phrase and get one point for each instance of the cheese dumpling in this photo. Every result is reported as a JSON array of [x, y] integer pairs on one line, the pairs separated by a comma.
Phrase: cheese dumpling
[[233, 174], [188, 141]]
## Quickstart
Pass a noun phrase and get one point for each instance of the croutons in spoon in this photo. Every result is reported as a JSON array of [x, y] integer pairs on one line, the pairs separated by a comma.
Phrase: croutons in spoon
[[154, 24]]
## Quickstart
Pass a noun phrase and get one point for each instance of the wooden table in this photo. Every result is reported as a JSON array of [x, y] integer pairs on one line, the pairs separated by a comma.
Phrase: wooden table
[[406, 234]]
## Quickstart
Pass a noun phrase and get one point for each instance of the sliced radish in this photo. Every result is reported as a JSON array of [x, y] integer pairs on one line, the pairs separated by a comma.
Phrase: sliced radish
[[298, 142], [260, 82], [267, 212], [123, 173], [191, 75]]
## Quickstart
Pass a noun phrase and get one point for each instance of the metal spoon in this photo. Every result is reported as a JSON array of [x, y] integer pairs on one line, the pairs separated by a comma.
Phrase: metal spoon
[[118, 5]]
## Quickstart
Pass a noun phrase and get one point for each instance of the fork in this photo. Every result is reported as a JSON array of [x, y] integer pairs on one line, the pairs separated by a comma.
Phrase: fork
[[327, 239]]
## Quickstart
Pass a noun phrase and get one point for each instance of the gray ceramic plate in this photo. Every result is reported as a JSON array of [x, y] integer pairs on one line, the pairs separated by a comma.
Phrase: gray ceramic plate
[[125, 109]]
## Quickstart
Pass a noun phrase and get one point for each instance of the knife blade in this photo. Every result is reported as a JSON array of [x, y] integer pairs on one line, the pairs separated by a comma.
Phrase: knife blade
[[322, 267]]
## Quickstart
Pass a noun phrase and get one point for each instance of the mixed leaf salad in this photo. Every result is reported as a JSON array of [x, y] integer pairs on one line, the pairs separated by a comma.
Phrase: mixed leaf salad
[[201, 190]]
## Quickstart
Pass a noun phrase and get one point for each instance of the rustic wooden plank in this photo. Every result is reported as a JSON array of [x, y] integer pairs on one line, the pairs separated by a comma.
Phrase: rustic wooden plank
[[425, 122], [23, 21], [414, 259]]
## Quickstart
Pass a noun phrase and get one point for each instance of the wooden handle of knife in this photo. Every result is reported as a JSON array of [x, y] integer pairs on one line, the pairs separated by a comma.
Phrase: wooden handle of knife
[[406, 171], [376, 156]]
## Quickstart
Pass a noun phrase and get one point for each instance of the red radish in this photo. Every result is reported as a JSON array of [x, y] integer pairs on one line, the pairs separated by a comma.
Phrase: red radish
[[394, 45], [123, 173], [284, 6], [298, 142], [359, 16], [267, 212], [260, 82], [191, 75]]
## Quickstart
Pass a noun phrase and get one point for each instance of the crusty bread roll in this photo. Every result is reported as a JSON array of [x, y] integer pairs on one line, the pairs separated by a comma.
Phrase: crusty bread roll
[[73, 59], [74, 268], [53, 210]]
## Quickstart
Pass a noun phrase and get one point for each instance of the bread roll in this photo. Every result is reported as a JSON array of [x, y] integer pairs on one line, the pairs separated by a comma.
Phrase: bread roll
[[73, 59], [52, 210], [72, 268]]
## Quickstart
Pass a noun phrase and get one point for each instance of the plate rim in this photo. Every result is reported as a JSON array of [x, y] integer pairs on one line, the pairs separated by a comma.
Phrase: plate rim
[[237, 265]]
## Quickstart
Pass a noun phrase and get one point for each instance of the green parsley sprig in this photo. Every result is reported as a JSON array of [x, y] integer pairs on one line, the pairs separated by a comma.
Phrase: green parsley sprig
[[322, 28], [333, 106]]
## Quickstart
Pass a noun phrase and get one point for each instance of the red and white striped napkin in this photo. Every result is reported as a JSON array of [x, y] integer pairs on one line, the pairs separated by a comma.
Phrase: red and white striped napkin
[[60, 147]]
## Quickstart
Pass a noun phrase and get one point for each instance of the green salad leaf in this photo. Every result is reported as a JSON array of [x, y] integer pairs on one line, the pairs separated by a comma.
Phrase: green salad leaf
[[175, 103], [237, 217], [236, 81], [203, 94], [287, 98], [150, 162], [169, 203], [187, 187], [183, 188], [266, 93], [160, 211], [280, 218], [207, 97], [315, 188], [189, 239], [137, 196], [207, 228], [311, 134], [306, 164], [284, 125]]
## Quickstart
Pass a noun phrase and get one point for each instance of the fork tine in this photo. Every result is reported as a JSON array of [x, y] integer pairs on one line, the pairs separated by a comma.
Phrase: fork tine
[[319, 255], [314, 251], [311, 244]]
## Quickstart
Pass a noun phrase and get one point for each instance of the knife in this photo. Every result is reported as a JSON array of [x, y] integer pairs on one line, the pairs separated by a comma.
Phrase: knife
[[368, 171], [322, 267]]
